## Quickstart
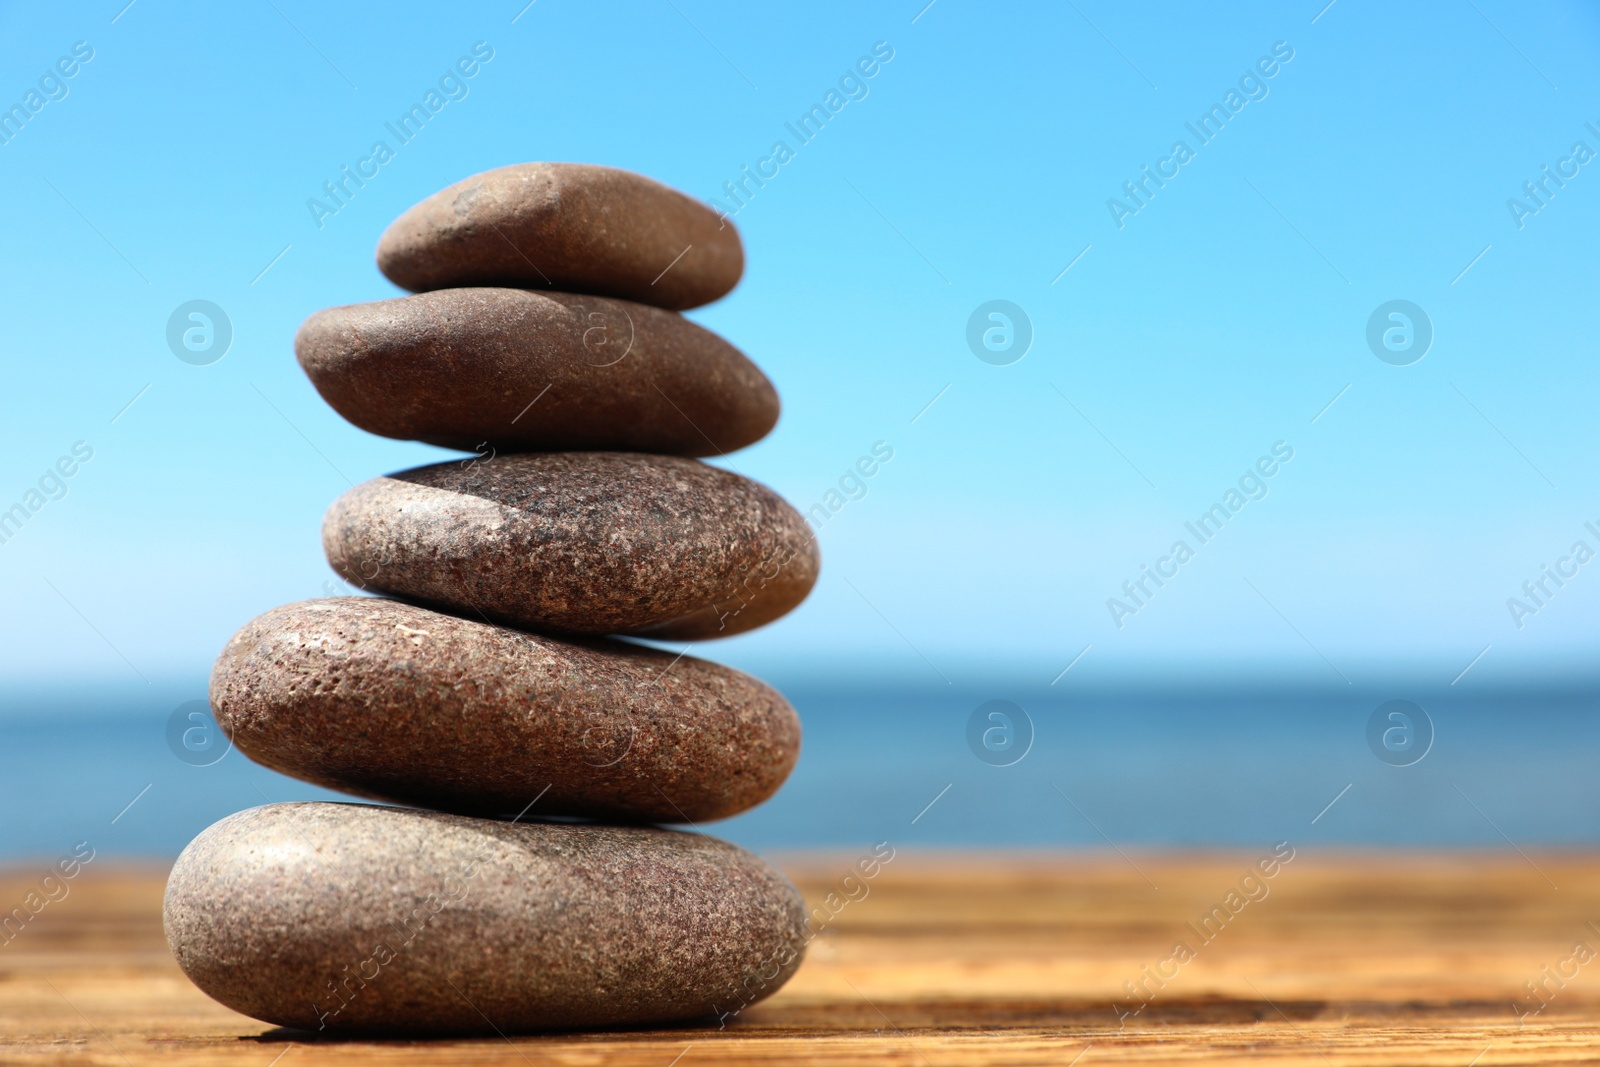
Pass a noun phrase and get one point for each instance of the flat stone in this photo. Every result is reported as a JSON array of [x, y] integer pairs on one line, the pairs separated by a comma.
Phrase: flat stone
[[357, 918], [513, 370], [579, 542], [570, 226], [396, 702]]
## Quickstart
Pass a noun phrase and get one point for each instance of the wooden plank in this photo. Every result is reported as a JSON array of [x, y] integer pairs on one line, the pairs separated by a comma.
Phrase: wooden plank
[[967, 959]]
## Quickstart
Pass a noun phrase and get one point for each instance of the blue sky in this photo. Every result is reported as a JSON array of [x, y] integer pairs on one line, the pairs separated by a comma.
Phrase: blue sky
[[1168, 353]]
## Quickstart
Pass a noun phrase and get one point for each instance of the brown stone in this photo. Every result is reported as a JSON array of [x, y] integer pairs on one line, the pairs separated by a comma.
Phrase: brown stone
[[579, 542], [396, 702], [516, 371], [357, 918], [569, 226]]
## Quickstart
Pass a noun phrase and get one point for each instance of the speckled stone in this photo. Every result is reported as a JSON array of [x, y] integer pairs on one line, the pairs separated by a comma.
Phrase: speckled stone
[[518, 371], [396, 702], [351, 917], [570, 226], [579, 542]]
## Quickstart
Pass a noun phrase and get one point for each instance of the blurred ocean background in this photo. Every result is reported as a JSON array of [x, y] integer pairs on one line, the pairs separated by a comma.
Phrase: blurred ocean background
[[1434, 160], [891, 761]]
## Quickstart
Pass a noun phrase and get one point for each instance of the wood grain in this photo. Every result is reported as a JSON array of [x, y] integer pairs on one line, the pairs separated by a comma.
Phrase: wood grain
[[970, 958]]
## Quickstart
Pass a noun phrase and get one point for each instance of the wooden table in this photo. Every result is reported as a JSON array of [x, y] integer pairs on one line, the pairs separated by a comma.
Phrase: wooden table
[[970, 958]]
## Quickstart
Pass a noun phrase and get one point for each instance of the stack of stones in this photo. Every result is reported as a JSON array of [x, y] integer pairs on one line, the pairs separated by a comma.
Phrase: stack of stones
[[521, 886]]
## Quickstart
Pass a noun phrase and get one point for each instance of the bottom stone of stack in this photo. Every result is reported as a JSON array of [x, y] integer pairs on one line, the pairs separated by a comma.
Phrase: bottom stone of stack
[[361, 918]]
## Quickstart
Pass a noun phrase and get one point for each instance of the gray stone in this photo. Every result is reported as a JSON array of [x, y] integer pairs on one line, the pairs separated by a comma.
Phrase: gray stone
[[512, 370], [396, 702], [357, 918], [569, 226], [579, 542]]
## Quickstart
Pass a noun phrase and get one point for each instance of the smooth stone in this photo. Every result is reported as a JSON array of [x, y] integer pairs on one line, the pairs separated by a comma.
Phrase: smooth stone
[[352, 917], [395, 702], [518, 371], [569, 226], [579, 542]]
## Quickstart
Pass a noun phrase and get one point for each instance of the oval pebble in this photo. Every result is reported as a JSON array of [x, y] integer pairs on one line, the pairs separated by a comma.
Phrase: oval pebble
[[512, 370], [579, 542], [570, 226], [358, 918], [395, 702]]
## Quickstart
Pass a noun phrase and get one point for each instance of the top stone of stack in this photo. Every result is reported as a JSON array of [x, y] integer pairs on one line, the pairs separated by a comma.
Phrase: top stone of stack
[[573, 227]]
